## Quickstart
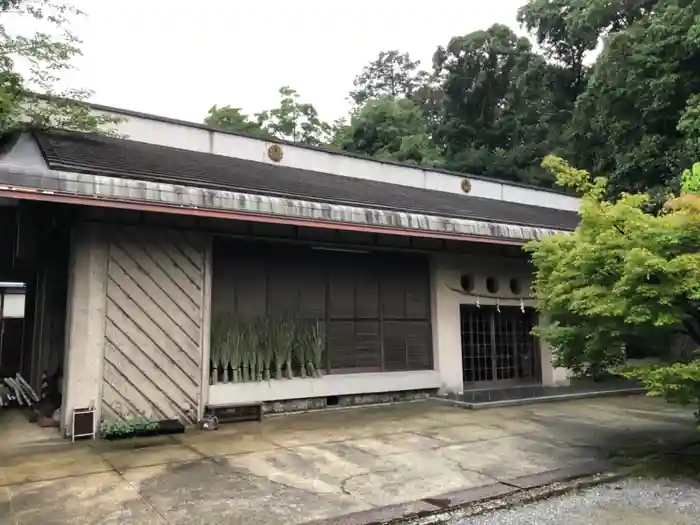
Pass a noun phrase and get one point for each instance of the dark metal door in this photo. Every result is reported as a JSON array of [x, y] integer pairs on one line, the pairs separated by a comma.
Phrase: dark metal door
[[497, 345]]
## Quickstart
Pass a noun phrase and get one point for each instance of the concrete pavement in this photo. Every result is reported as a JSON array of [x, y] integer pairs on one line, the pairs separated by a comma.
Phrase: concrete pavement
[[301, 468]]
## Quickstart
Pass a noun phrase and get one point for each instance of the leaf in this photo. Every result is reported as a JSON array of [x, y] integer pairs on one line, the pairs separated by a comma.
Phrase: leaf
[[624, 272], [31, 99]]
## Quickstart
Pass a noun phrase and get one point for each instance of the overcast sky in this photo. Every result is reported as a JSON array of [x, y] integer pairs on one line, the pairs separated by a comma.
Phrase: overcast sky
[[177, 58]]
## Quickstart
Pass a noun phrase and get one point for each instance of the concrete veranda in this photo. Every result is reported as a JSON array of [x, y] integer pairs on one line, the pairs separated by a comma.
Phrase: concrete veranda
[[301, 468]]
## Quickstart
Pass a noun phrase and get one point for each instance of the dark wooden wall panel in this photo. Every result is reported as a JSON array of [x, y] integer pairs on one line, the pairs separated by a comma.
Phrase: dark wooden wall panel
[[366, 292], [376, 305]]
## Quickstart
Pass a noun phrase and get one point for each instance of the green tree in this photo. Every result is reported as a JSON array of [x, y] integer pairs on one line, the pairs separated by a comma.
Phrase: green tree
[[568, 31], [232, 119], [689, 127], [392, 128], [294, 120], [498, 116], [678, 382], [29, 96], [392, 73], [634, 120], [624, 270]]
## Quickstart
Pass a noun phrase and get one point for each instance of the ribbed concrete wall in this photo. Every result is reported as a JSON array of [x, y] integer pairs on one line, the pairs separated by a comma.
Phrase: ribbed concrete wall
[[154, 321]]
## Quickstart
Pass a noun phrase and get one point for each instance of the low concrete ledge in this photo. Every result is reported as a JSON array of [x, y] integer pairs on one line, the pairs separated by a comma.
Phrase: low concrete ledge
[[540, 399], [330, 385]]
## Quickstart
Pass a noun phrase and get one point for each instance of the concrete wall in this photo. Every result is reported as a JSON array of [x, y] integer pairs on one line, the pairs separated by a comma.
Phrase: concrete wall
[[137, 322], [164, 133], [138, 325], [85, 322], [447, 297], [155, 319], [330, 385]]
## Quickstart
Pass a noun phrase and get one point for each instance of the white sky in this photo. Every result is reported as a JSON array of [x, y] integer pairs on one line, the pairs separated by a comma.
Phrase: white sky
[[177, 58]]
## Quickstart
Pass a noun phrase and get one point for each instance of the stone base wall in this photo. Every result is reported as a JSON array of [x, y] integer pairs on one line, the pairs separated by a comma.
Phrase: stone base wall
[[320, 403]]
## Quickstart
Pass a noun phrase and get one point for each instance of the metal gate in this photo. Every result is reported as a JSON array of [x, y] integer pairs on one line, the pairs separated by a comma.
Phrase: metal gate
[[497, 345]]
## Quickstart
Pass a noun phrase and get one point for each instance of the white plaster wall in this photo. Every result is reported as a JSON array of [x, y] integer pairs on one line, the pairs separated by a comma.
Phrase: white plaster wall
[[452, 267], [85, 322], [155, 131], [447, 344], [163, 133], [330, 385], [446, 273], [25, 152], [551, 375], [540, 198]]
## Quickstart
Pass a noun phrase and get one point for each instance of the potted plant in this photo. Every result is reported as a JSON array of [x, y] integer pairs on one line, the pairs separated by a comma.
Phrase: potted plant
[[170, 426], [265, 345], [217, 347], [238, 357], [302, 347], [229, 343], [252, 357], [245, 361], [318, 345], [254, 342], [287, 329], [235, 342], [275, 341]]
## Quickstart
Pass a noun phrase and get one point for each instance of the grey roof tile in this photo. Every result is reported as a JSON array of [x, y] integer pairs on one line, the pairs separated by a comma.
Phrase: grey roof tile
[[122, 158]]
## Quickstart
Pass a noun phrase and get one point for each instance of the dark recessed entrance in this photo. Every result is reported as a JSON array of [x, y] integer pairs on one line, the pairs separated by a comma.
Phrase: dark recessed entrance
[[497, 346]]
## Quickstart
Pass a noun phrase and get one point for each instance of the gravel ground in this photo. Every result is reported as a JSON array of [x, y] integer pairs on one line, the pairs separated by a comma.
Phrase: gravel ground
[[625, 502]]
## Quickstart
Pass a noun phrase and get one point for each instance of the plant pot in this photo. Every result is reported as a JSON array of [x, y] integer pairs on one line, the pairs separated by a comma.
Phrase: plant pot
[[147, 432], [170, 426]]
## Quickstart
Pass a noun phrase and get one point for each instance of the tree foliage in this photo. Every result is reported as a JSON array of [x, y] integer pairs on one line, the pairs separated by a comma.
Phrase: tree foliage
[[613, 86], [624, 270], [635, 122], [31, 65], [291, 120], [392, 74], [498, 111], [568, 31], [676, 383], [294, 120], [390, 128], [232, 119]]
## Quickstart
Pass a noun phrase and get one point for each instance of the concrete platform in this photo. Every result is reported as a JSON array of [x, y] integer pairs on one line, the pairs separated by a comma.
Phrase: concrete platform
[[318, 467], [527, 395]]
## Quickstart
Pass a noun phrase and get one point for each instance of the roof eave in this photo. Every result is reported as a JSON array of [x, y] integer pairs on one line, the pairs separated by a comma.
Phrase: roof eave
[[98, 190]]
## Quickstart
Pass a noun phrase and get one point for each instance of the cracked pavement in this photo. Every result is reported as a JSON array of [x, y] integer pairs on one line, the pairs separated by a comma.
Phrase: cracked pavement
[[302, 468]]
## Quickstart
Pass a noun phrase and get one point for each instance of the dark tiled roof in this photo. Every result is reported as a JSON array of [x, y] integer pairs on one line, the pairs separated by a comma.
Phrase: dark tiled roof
[[137, 160]]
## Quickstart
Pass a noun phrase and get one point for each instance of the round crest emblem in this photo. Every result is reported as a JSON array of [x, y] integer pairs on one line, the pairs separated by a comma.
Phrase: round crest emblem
[[275, 153]]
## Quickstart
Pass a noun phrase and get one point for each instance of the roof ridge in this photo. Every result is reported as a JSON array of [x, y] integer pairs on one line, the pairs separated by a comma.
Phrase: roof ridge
[[322, 149]]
